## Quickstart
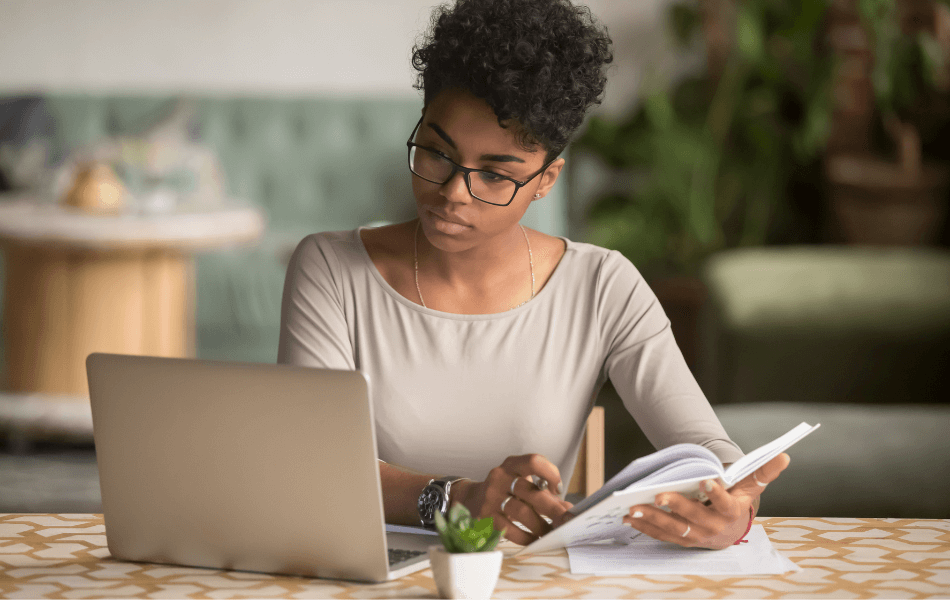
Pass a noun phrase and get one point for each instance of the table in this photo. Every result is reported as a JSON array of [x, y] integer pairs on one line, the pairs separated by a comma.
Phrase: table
[[65, 556], [78, 283]]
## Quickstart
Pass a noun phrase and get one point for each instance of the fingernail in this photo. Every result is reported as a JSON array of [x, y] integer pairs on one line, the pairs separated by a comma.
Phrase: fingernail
[[560, 487], [637, 515], [708, 485]]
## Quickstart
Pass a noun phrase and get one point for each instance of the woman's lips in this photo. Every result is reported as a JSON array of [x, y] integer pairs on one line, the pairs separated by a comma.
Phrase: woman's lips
[[445, 226]]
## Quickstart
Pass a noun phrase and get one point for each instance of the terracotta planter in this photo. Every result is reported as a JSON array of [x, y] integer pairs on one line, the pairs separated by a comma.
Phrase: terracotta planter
[[465, 575], [875, 201]]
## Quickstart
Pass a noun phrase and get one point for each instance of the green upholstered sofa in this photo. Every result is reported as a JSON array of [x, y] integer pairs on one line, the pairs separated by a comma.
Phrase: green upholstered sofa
[[311, 164]]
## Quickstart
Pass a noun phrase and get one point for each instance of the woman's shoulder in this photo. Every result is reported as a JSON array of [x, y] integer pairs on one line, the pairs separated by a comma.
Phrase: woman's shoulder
[[327, 249], [588, 251], [387, 240], [324, 239], [601, 263]]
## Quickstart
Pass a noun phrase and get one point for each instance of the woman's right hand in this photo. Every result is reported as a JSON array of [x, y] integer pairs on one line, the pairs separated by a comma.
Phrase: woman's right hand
[[528, 505]]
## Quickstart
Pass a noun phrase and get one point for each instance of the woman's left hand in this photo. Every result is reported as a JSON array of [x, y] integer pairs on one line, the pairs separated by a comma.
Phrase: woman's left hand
[[693, 524]]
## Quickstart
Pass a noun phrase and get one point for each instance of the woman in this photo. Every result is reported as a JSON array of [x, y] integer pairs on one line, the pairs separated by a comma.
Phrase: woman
[[486, 343]]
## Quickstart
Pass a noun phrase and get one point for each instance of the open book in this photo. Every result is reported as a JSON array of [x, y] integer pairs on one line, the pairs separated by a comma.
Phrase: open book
[[680, 468]]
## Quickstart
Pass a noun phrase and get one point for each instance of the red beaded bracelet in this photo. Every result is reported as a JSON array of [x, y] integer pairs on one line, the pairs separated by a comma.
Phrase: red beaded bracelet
[[742, 540]]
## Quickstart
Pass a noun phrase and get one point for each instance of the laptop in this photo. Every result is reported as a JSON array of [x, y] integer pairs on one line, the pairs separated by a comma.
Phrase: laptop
[[252, 467]]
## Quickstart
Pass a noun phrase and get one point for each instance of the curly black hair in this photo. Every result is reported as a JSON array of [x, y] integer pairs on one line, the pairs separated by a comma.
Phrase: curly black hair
[[539, 64]]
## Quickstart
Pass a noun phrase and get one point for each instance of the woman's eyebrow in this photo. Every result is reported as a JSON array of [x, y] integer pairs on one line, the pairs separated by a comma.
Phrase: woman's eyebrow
[[487, 157], [500, 158]]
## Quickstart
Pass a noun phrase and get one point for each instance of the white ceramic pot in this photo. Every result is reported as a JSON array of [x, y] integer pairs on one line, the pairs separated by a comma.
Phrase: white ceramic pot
[[465, 574]]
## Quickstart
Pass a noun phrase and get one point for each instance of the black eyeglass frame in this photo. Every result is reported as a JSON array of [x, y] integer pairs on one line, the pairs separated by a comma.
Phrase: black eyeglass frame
[[466, 172]]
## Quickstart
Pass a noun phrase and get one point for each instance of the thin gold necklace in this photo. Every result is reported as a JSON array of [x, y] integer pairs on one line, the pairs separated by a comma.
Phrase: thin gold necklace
[[415, 260]]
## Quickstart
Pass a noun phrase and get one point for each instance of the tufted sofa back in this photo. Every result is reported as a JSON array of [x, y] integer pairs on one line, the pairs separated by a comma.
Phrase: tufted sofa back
[[312, 163]]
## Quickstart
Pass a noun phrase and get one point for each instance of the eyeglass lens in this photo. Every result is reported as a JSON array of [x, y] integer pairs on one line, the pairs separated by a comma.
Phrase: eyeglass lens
[[484, 185]]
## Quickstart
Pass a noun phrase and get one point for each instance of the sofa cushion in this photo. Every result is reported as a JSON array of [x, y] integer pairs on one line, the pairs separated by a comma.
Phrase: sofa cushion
[[864, 460]]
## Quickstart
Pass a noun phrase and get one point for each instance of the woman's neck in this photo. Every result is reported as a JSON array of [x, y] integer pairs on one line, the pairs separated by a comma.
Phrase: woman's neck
[[491, 263]]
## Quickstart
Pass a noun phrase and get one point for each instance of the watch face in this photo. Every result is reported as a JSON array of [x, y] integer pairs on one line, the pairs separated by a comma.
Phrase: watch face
[[431, 500]]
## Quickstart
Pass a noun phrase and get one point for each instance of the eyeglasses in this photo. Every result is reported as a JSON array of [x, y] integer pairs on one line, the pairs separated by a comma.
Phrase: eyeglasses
[[435, 167]]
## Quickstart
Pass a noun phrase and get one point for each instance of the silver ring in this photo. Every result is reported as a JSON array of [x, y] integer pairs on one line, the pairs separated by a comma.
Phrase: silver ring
[[511, 490], [504, 502], [685, 533], [756, 479]]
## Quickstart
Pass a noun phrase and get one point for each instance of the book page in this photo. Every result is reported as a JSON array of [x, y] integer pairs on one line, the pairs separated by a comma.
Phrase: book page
[[744, 467], [688, 468], [643, 467]]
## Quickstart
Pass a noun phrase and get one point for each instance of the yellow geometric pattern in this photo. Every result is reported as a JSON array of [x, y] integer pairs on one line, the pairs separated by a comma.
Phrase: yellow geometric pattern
[[65, 556]]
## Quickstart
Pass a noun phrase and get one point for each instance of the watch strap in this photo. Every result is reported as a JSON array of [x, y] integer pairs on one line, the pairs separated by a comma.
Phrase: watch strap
[[445, 483]]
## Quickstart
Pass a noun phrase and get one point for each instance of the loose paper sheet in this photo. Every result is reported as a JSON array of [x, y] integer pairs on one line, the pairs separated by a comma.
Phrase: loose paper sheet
[[647, 556]]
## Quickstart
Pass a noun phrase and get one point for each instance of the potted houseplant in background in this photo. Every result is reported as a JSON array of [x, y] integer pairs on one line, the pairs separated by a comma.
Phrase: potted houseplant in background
[[713, 162], [467, 564], [894, 192]]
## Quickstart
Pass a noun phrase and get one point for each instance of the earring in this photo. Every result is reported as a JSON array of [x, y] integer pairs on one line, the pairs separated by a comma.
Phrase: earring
[[537, 196]]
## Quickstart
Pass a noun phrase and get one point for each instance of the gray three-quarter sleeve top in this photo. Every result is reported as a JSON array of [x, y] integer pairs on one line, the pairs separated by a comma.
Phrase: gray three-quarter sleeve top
[[457, 394]]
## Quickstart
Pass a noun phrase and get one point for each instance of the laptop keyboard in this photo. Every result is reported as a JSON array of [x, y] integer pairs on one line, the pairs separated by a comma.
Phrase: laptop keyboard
[[397, 555]]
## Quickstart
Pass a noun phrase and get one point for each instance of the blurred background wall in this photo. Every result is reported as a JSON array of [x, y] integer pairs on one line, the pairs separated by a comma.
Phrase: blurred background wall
[[341, 47]]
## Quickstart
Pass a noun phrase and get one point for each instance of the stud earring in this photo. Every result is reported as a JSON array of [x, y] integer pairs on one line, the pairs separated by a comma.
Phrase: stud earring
[[537, 196]]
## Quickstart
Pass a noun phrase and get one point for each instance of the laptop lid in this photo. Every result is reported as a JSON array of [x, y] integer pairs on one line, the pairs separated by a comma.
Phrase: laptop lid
[[256, 467]]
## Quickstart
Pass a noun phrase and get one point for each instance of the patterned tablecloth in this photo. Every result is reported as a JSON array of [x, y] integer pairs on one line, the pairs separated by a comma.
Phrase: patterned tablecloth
[[65, 556]]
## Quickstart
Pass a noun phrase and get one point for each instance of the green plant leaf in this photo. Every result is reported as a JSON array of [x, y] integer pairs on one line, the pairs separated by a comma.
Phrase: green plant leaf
[[460, 543], [492, 540], [685, 21], [484, 526], [442, 527], [932, 60], [750, 39], [440, 523], [460, 517], [449, 544], [659, 111]]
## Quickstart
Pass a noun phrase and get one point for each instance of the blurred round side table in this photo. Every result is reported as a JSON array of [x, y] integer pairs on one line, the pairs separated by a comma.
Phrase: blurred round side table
[[78, 283]]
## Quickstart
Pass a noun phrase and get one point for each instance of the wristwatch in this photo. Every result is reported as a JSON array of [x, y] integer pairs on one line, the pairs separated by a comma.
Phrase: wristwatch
[[435, 497]]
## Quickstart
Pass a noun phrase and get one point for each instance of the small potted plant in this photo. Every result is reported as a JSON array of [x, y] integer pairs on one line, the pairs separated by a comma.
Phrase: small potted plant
[[467, 565]]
